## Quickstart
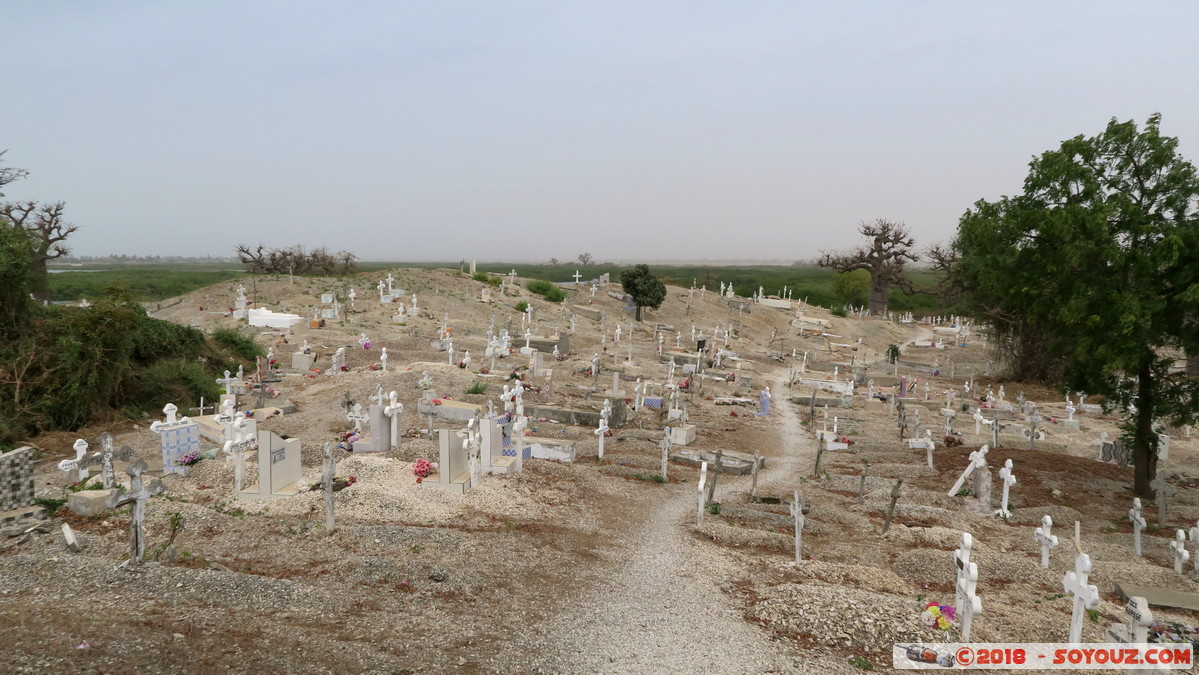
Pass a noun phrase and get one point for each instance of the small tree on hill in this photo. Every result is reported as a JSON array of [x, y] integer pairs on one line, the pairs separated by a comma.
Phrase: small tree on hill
[[646, 289], [885, 257], [585, 259]]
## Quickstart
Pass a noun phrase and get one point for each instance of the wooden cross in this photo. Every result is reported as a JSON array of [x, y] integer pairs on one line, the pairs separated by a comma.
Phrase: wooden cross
[[327, 484], [797, 513], [891, 508]]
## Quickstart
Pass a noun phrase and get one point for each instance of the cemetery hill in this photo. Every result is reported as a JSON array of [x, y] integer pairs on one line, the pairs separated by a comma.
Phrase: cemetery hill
[[309, 463]]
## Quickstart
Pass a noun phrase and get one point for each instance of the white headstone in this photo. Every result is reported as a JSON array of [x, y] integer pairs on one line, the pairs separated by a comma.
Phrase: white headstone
[[968, 604], [1046, 538], [1085, 595]]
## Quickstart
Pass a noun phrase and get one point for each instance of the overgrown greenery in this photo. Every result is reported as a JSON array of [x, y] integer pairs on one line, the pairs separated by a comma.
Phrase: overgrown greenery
[[521, 306], [243, 347], [62, 367], [546, 290], [477, 387], [487, 278], [1097, 264]]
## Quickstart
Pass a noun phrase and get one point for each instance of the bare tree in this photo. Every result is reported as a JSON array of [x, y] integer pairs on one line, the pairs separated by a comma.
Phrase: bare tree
[[10, 174], [885, 257], [295, 260], [47, 230], [585, 259], [554, 262]]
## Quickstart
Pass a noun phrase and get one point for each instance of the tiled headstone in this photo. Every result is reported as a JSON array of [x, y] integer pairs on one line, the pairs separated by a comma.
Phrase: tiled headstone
[[16, 479], [179, 436]]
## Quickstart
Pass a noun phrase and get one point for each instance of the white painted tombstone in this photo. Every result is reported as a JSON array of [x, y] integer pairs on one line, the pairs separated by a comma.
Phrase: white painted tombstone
[[1045, 537], [978, 460], [1005, 475], [279, 467], [1179, 547], [1138, 524], [393, 411], [241, 441], [1085, 595], [600, 432], [703, 479], [968, 603], [383, 358], [79, 464], [338, 361], [358, 417], [1137, 620], [178, 437]]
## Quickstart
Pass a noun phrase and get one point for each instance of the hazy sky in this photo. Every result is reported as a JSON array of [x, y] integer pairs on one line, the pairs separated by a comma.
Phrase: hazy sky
[[528, 130]]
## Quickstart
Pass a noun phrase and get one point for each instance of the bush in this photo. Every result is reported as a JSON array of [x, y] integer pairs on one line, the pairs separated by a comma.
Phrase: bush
[[546, 290], [479, 387], [479, 276], [242, 347], [839, 311], [521, 306]]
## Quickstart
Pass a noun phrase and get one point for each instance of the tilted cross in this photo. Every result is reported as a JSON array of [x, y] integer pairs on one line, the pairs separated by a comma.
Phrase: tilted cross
[[978, 460], [968, 603]]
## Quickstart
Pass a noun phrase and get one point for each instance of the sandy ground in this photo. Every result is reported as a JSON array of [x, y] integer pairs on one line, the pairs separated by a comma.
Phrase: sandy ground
[[582, 567]]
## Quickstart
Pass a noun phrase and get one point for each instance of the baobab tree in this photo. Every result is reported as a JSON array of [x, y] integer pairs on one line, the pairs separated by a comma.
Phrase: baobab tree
[[47, 229], [885, 257]]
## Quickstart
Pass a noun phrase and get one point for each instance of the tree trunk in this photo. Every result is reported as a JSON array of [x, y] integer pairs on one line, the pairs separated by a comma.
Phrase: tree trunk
[[1144, 453], [38, 279], [639, 312], [878, 296]]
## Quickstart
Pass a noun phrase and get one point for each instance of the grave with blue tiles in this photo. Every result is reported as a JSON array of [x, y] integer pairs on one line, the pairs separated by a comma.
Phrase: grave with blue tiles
[[179, 436]]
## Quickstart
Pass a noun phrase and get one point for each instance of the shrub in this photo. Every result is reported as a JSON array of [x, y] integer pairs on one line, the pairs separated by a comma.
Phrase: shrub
[[839, 311], [521, 306], [546, 290], [242, 347], [479, 276], [479, 387]]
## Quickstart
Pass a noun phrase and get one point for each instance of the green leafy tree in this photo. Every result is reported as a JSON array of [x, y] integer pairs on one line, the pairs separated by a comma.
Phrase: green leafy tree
[[647, 290], [852, 287], [1099, 260], [15, 265]]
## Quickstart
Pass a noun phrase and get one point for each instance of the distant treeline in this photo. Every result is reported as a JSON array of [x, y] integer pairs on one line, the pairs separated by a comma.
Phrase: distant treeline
[[147, 282]]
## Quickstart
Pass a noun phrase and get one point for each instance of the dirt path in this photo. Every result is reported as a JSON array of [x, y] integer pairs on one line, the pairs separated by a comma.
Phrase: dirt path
[[657, 605]]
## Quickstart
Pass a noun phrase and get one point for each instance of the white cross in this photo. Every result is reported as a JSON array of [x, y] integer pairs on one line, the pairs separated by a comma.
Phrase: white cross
[[969, 604], [978, 460], [1085, 595], [1181, 554], [80, 447], [1005, 474], [577, 276], [1138, 523], [383, 359], [228, 382], [1046, 538], [703, 479], [357, 417], [603, 428], [236, 447], [393, 411], [1194, 532]]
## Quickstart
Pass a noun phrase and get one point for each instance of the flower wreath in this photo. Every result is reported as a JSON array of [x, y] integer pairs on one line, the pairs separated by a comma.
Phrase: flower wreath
[[940, 616]]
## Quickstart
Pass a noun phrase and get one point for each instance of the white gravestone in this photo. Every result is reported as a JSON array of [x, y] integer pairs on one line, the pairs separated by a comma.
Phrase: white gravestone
[[1137, 620], [79, 464], [797, 514], [1005, 474], [1085, 595], [1046, 538], [969, 604], [1179, 547], [179, 436], [978, 460], [1138, 524], [703, 479]]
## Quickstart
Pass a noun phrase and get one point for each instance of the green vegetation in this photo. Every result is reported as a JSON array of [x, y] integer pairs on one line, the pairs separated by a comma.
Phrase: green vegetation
[[852, 287], [860, 662], [242, 347], [486, 278], [839, 311], [144, 285], [478, 387], [521, 306], [1090, 278], [714, 508], [646, 289], [51, 505], [546, 290]]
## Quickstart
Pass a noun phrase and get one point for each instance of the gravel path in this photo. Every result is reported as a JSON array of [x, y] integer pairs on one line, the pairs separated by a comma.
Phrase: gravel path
[[657, 603]]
